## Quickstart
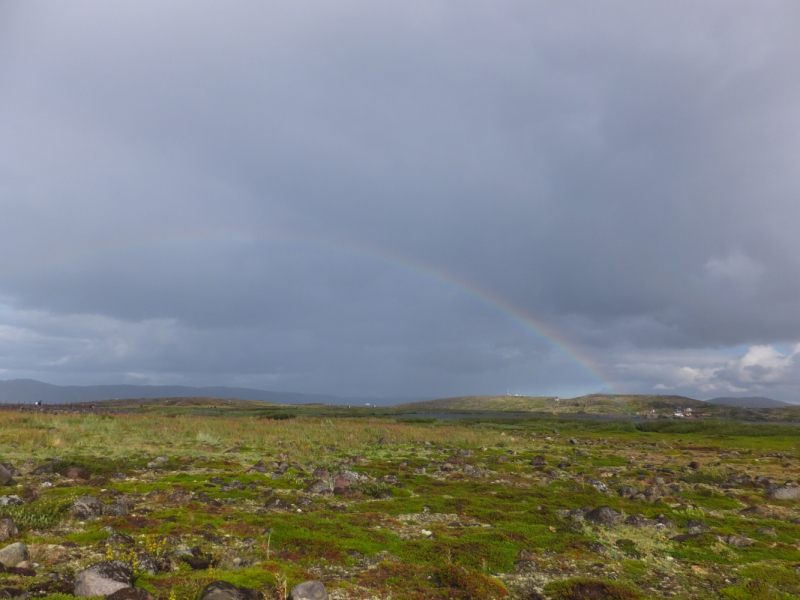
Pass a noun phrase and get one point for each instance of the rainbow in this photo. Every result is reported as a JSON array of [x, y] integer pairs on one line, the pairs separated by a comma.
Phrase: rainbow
[[484, 296]]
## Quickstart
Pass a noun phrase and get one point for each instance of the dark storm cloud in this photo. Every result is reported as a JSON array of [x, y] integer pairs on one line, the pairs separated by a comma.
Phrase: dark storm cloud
[[216, 195]]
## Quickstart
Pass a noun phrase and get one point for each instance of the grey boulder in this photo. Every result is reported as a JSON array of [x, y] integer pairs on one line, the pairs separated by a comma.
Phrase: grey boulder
[[5, 476], [131, 593], [222, 590], [103, 578], [603, 515], [13, 554], [785, 492], [308, 590], [7, 528], [86, 508]]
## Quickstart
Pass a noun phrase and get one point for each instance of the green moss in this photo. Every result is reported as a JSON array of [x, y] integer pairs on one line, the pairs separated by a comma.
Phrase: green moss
[[594, 589], [754, 590]]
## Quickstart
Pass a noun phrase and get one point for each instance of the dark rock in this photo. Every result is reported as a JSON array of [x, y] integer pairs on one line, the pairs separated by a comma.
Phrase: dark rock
[[318, 486], [197, 560], [596, 547], [579, 452], [538, 461], [103, 578], [7, 529], [627, 491], [573, 441], [86, 508], [131, 593], [116, 509], [6, 478], [653, 493], [180, 497], [260, 467], [277, 504], [222, 590], [754, 510], [146, 563], [738, 541], [308, 590], [75, 472], [44, 469], [639, 521], [694, 526], [694, 465], [321, 473], [21, 571], [603, 515]]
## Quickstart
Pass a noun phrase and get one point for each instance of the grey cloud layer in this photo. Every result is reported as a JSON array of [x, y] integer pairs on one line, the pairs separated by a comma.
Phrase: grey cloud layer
[[231, 192]]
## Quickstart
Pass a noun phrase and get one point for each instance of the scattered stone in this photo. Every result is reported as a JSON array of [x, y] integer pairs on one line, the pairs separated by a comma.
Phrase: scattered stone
[[738, 541], [639, 521], [7, 529], [6, 478], [11, 500], [767, 531], [277, 504], [308, 590], [146, 563], [573, 441], [104, 578], [538, 461], [318, 486], [260, 467], [85, 508], [596, 547], [321, 473], [13, 554], [116, 509], [695, 527], [785, 492], [603, 515], [599, 486], [45, 469], [75, 472], [131, 593], [222, 590], [652, 493]]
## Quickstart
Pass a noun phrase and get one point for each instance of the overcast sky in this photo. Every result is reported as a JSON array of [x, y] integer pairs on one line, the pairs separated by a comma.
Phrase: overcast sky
[[402, 198]]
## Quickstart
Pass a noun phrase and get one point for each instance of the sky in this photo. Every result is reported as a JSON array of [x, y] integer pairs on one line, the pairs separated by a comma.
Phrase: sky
[[417, 199]]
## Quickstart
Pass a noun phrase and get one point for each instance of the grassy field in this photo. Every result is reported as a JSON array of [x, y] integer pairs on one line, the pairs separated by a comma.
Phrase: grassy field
[[440, 509]]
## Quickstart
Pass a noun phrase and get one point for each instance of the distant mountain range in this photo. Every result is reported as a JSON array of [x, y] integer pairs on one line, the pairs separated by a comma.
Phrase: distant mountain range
[[28, 391], [750, 402]]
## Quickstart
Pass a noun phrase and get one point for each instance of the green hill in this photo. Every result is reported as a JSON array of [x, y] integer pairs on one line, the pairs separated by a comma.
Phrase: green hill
[[605, 405]]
